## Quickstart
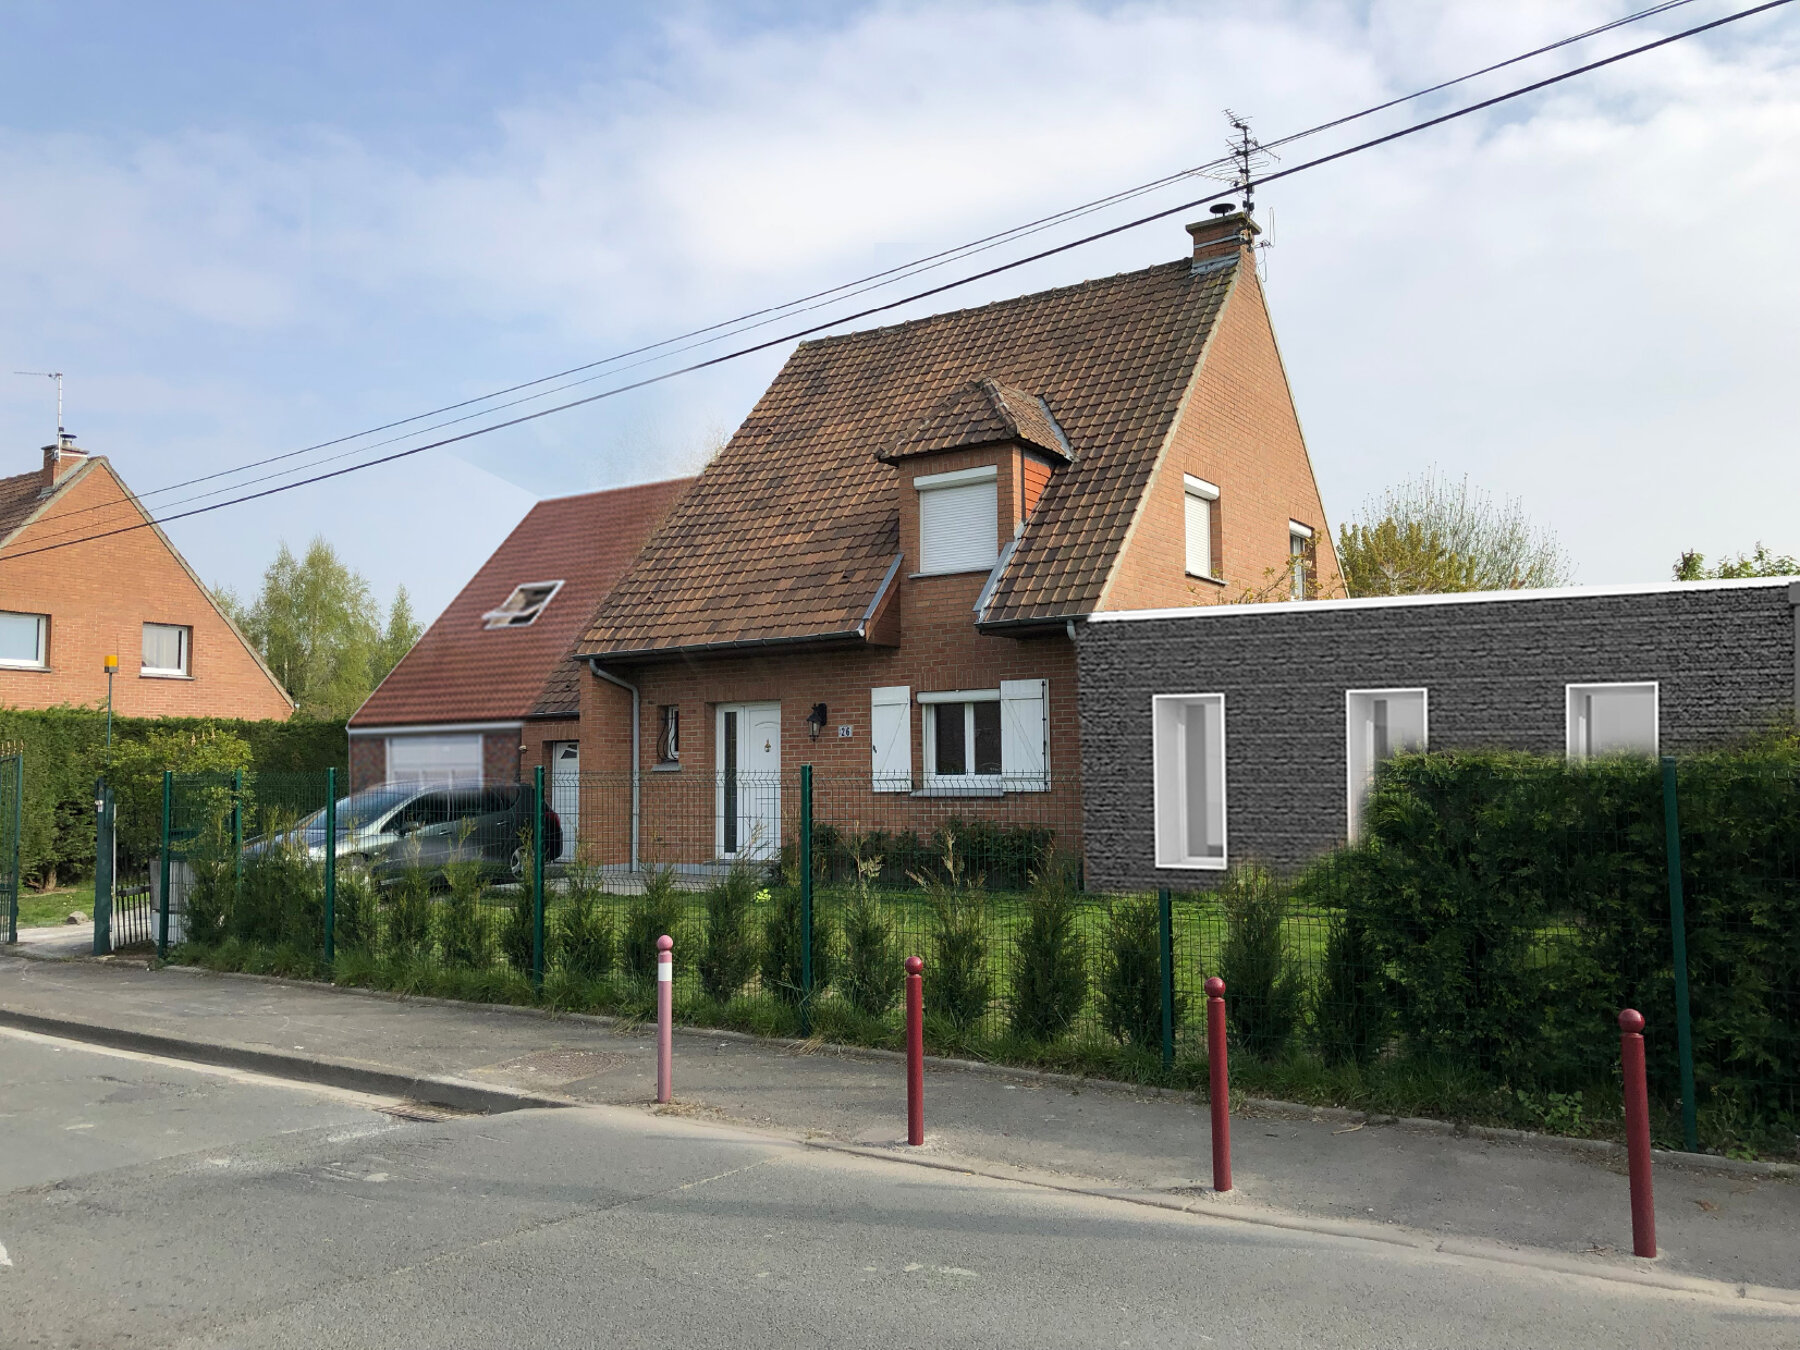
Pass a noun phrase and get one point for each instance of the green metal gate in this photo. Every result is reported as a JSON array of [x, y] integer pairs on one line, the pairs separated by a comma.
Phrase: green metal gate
[[12, 826]]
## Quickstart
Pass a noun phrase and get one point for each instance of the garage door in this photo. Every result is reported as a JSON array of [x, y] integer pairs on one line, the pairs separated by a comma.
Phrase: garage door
[[435, 759]]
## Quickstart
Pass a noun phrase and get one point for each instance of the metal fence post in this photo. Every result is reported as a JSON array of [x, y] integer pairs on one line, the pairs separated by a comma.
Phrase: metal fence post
[[1684, 1037], [806, 899], [16, 862], [105, 858], [1166, 923], [237, 826], [162, 908], [330, 864], [537, 878]]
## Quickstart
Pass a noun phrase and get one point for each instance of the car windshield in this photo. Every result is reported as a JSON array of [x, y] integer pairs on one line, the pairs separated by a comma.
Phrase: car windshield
[[361, 809]]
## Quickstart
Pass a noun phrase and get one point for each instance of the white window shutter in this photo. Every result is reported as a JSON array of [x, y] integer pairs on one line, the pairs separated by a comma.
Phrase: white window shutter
[[1025, 735], [1199, 536], [890, 738], [959, 528]]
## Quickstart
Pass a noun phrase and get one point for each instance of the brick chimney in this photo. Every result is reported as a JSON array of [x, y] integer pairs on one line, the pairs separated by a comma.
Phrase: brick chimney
[[60, 460], [1222, 236]]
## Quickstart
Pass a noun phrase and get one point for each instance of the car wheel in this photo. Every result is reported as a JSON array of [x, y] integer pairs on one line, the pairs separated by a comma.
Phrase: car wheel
[[517, 866]]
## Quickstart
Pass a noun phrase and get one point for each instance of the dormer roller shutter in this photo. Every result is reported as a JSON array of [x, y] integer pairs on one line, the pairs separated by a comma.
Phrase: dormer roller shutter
[[959, 521], [890, 738], [1025, 735]]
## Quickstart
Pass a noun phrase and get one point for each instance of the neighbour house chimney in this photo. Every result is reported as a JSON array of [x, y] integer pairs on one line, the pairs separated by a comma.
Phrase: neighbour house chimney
[[61, 460], [1222, 237]]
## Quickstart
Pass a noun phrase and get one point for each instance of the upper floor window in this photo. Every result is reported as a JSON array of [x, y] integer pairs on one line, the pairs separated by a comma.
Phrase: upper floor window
[[166, 649], [959, 520], [1188, 766], [523, 605], [1201, 504], [1300, 554], [24, 639], [1612, 719]]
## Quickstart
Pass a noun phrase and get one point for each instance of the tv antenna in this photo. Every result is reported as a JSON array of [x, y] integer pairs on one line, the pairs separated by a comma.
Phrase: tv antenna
[[56, 375], [1247, 156]]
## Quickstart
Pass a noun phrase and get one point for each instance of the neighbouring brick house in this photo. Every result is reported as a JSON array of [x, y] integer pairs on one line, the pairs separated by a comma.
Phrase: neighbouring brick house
[[488, 692], [882, 572], [84, 575]]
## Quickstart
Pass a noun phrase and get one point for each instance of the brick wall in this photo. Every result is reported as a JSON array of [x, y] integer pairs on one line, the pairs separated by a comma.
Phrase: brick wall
[[99, 594], [1495, 671], [368, 762], [502, 753], [1237, 430]]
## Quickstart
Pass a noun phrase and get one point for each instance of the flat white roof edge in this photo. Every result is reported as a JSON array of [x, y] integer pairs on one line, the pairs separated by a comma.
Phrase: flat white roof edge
[[1453, 598], [409, 728]]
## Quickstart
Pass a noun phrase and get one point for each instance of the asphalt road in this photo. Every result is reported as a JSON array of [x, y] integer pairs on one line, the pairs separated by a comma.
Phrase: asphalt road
[[146, 1203]]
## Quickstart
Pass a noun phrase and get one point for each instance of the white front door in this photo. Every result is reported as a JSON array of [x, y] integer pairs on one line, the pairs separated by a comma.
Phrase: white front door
[[748, 736], [565, 792]]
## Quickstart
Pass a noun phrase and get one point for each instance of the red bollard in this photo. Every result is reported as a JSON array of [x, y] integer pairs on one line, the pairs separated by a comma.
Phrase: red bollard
[[1220, 1089], [1637, 1132], [665, 1017], [915, 1051]]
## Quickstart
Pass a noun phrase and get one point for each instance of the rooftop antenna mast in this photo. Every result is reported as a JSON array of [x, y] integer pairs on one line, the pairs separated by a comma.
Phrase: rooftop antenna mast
[[1247, 157], [56, 375]]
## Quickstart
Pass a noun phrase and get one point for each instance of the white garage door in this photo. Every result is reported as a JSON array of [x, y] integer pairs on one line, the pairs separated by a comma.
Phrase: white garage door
[[435, 759]]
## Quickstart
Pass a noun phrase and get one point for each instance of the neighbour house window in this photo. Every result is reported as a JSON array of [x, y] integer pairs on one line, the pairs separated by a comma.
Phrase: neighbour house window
[[1201, 504], [166, 649], [987, 741], [1188, 769], [522, 606], [959, 521], [24, 639], [1612, 719], [1378, 724], [668, 734], [1300, 556]]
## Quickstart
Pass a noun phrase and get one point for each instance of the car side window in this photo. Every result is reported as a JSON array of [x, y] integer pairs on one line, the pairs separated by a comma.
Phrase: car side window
[[431, 808]]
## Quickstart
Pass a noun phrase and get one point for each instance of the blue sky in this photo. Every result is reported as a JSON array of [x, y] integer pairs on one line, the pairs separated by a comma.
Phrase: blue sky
[[243, 230]]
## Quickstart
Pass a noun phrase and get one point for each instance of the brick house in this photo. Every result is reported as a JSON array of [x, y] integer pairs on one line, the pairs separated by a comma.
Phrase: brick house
[[123, 590], [488, 692], [881, 574]]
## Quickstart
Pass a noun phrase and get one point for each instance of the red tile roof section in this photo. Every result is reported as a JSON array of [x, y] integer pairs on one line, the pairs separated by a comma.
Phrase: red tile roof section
[[789, 531], [982, 413], [462, 671]]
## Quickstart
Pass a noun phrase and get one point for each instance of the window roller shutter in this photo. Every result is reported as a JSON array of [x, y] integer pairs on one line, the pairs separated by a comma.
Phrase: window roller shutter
[[1025, 735], [890, 738]]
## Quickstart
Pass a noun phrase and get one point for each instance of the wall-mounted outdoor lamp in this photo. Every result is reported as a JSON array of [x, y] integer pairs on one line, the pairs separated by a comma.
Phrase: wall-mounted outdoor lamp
[[815, 720]]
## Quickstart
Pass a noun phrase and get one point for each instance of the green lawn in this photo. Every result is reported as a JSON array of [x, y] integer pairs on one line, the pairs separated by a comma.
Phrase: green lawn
[[40, 909]]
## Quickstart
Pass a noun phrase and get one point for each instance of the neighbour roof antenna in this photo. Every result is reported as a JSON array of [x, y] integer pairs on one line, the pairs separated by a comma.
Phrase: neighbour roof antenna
[[1248, 156], [56, 375]]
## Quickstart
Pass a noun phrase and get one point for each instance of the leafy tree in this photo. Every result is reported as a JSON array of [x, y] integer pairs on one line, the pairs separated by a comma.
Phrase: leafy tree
[[318, 628], [1430, 536], [1691, 566]]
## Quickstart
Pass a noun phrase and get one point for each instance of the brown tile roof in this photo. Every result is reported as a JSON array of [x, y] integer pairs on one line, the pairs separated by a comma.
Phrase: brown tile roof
[[18, 499], [462, 671], [983, 412], [790, 530]]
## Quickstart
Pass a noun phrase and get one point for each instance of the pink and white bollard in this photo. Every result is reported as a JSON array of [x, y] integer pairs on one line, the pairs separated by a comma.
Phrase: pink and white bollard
[[915, 1051], [665, 1017]]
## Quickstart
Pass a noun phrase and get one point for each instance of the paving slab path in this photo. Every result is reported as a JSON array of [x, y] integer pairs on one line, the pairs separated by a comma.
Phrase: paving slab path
[[1318, 1169]]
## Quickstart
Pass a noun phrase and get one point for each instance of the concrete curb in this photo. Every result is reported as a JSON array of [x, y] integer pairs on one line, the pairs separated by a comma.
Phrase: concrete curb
[[458, 1094], [1602, 1149]]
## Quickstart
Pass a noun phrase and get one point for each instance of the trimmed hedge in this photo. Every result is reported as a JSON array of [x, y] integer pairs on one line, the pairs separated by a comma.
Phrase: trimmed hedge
[[65, 751]]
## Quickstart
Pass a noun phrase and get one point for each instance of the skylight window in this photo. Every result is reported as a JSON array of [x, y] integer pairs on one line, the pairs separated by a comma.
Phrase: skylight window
[[523, 605]]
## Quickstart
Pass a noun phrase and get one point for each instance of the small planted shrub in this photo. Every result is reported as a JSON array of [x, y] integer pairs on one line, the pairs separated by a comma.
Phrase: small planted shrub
[[518, 930], [1050, 982], [581, 940], [408, 924], [1131, 975], [959, 986], [464, 937], [1262, 987], [354, 909], [874, 970], [780, 964], [728, 951], [649, 916], [1348, 1008]]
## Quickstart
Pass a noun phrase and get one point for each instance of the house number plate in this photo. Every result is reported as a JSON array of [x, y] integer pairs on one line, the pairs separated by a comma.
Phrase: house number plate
[[845, 733]]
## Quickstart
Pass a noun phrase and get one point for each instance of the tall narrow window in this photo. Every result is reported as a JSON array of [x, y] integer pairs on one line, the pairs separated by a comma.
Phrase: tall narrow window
[[1300, 555], [1188, 750], [24, 639], [166, 649], [728, 731], [1200, 503], [1612, 719], [668, 734], [1378, 724], [959, 520]]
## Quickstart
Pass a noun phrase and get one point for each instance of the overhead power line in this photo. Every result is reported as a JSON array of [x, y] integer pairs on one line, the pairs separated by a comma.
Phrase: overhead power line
[[794, 335]]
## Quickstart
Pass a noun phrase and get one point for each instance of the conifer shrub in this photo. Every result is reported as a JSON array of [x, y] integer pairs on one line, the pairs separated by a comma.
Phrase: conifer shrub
[[654, 913], [728, 952], [1050, 979], [873, 973], [581, 927], [781, 946], [1131, 975], [959, 985], [464, 937], [1262, 984]]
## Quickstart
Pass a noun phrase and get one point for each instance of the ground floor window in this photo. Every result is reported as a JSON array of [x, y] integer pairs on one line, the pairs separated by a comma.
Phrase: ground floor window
[[1188, 750], [983, 742], [1612, 719], [1378, 724]]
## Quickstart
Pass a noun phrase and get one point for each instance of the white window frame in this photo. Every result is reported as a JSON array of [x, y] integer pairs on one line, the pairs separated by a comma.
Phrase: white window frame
[[1353, 791], [932, 482], [503, 617], [43, 642], [1179, 858], [959, 784], [1207, 494], [1578, 755], [1298, 557], [181, 672]]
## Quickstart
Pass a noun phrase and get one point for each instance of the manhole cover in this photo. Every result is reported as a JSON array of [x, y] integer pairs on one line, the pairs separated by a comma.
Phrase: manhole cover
[[557, 1066]]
